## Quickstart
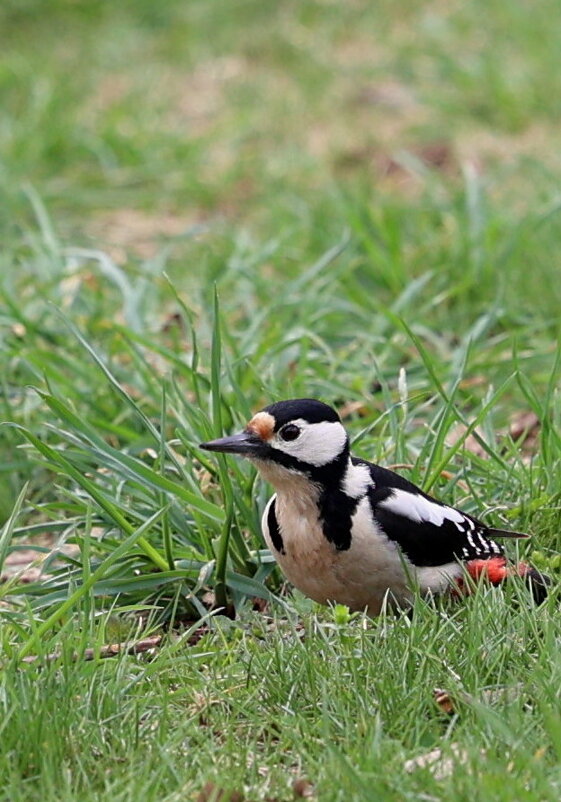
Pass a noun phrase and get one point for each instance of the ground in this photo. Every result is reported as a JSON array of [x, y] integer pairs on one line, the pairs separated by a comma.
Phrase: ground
[[207, 207]]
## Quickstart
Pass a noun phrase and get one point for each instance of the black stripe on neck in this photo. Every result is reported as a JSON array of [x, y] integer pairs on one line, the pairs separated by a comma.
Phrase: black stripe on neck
[[336, 508], [336, 511], [274, 529]]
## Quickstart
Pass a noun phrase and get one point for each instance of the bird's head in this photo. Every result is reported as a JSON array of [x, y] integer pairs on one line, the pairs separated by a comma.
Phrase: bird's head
[[300, 436]]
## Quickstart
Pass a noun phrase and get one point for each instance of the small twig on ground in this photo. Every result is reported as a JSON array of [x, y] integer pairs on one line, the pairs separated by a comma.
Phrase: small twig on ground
[[111, 650]]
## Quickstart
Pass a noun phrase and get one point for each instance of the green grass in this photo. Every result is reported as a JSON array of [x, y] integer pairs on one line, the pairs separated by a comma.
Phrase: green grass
[[209, 207], [262, 702]]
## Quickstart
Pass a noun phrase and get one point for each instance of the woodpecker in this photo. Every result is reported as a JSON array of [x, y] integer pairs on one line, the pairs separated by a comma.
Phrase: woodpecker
[[348, 531]]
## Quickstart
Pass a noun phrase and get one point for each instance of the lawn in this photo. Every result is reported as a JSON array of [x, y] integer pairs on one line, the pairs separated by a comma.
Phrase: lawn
[[207, 207]]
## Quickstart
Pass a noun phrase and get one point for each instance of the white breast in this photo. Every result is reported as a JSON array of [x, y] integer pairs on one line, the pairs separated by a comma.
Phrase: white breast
[[362, 577]]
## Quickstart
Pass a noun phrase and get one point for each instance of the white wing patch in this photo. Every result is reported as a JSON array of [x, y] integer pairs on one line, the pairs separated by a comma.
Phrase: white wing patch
[[419, 509], [356, 480]]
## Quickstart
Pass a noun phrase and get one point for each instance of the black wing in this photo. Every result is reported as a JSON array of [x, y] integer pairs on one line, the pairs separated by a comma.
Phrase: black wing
[[428, 532]]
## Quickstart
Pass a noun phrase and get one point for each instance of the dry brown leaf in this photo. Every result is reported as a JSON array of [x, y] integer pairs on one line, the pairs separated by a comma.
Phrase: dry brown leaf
[[303, 788], [437, 155], [20, 557], [473, 381], [390, 94], [25, 564], [26, 576], [490, 696], [505, 695], [524, 428], [259, 605], [408, 466], [133, 231], [149, 452], [440, 765], [206, 480], [444, 701], [351, 407], [19, 330], [470, 444], [212, 793], [173, 321]]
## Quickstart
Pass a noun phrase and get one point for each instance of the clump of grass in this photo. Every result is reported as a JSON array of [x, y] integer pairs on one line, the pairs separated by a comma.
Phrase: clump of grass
[[258, 703], [158, 524]]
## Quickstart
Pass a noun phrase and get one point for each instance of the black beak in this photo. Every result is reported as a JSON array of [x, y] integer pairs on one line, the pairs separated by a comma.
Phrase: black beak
[[246, 444]]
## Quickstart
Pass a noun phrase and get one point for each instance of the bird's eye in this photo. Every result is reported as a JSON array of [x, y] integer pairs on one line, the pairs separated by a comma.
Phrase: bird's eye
[[289, 432]]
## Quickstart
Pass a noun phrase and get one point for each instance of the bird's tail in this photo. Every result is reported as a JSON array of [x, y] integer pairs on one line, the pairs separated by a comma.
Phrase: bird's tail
[[500, 533], [496, 570]]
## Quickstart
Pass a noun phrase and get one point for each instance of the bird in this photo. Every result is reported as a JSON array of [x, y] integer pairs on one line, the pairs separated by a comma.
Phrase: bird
[[347, 531]]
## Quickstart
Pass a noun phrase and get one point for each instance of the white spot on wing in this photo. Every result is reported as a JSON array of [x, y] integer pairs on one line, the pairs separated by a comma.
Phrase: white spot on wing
[[419, 509]]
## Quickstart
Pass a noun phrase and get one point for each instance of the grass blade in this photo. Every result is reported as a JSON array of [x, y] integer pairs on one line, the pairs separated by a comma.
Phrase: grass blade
[[134, 537], [10, 526], [56, 459]]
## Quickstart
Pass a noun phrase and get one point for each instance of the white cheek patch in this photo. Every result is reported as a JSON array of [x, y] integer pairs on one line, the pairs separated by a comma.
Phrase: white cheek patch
[[419, 509], [318, 443]]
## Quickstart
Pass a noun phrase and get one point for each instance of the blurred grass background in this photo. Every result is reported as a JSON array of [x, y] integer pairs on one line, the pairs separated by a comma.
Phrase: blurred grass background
[[141, 121]]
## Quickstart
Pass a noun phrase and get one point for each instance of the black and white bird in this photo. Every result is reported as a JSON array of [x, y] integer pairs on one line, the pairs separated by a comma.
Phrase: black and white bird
[[345, 530]]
